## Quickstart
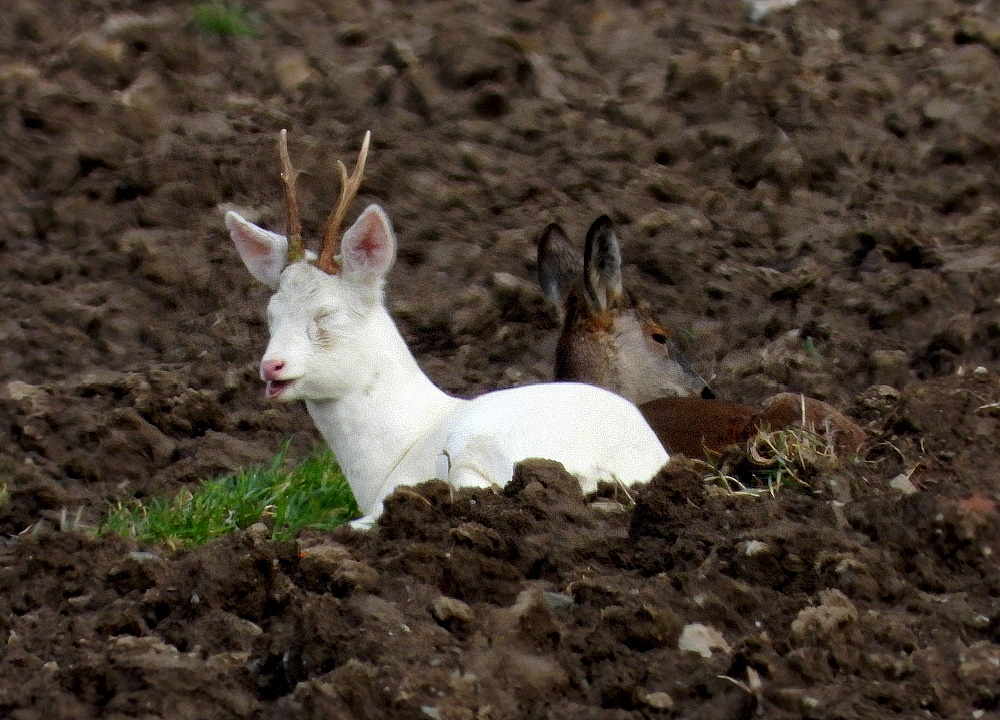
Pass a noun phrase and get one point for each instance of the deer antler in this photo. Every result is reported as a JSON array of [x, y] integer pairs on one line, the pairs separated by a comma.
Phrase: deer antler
[[348, 189], [293, 223]]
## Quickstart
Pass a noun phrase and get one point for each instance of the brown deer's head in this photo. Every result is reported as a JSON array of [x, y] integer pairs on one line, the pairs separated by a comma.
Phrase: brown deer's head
[[608, 339]]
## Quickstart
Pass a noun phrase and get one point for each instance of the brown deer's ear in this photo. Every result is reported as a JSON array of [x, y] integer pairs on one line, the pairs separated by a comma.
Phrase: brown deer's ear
[[602, 266], [560, 267], [369, 246]]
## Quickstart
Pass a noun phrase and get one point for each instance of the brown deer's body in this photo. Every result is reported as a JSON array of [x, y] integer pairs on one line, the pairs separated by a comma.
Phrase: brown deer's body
[[694, 426], [701, 428], [610, 340]]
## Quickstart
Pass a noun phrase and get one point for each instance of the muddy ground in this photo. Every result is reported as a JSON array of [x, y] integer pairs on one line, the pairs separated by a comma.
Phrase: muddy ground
[[810, 200]]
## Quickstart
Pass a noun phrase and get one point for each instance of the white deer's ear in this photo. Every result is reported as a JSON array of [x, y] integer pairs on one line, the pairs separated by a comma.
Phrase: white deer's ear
[[368, 248], [263, 252]]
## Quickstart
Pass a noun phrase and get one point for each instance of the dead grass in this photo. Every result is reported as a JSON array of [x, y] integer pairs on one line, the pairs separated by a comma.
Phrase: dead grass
[[775, 459]]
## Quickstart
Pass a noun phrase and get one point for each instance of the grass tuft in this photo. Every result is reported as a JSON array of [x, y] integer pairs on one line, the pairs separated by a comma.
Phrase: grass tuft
[[314, 494], [773, 460], [225, 19]]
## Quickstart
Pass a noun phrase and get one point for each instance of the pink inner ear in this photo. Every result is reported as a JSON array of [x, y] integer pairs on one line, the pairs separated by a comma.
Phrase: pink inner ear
[[372, 240], [246, 242], [369, 243], [262, 254], [253, 247]]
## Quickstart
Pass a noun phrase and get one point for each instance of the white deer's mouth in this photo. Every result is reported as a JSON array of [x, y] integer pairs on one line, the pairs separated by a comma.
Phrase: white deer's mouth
[[277, 388]]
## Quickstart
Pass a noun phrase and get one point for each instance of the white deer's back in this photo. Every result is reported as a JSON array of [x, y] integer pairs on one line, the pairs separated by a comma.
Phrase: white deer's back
[[597, 435]]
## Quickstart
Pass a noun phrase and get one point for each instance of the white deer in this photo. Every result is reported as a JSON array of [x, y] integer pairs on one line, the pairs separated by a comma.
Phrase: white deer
[[334, 345]]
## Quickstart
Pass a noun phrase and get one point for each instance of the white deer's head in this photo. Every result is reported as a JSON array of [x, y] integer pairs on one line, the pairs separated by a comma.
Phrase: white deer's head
[[325, 316]]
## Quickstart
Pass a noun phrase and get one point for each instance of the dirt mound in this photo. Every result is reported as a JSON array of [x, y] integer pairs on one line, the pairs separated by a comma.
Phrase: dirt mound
[[530, 601], [810, 200]]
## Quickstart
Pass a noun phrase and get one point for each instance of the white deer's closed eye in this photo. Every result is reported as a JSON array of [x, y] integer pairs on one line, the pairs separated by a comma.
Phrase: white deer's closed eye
[[322, 328], [326, 317], [385, 421]]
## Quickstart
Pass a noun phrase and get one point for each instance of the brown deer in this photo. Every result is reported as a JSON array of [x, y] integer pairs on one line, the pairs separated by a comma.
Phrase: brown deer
[[611, 340]]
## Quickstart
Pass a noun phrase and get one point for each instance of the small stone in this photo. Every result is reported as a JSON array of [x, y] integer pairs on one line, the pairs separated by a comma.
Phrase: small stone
[[702, 639], [608, 506], [354, 575], [938, 109], [131, 27], [558, 601], [903, 484], [258, 531], [548, 80], [755, 547], [143, 556], [451, 612], [757, 10], [293, 71], [331, 555], [659, 701], [18, 390]]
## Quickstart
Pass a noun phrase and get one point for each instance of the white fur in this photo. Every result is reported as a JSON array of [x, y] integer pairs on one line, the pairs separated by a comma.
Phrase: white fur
[[334, 345]]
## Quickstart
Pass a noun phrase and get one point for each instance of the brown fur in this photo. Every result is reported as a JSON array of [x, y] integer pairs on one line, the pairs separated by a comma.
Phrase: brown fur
[[700, 428], [573, 352], [786, 410]]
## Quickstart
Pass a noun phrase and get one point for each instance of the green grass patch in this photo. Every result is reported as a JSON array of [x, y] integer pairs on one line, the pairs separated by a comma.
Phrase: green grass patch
[[314, 494], [225, 19]]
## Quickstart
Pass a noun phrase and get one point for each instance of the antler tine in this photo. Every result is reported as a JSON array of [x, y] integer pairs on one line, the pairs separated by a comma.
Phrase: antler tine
[[348, 189], [293, 223]]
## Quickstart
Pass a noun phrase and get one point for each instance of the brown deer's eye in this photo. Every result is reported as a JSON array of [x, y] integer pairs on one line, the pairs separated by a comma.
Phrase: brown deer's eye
[[657, 333]]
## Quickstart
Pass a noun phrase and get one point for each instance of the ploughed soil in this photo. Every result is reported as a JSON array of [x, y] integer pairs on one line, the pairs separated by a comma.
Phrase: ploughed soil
[[810, 199]]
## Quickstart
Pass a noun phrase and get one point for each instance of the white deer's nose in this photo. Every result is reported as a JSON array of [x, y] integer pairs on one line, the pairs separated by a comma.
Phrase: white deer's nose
[[271, 369]]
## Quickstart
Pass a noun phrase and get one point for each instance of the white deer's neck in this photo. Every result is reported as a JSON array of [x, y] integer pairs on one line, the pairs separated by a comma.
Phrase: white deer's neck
[[373, 426]]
